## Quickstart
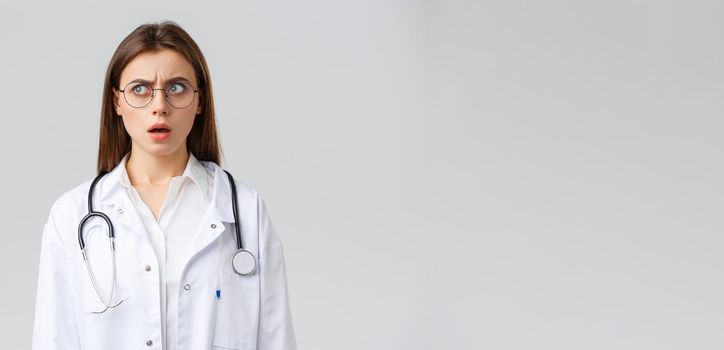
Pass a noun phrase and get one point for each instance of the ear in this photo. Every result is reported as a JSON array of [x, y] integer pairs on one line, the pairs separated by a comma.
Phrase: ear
[[116, 95]]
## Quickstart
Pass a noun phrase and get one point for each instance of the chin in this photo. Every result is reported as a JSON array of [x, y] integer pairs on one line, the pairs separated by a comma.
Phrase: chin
[[161, 150]]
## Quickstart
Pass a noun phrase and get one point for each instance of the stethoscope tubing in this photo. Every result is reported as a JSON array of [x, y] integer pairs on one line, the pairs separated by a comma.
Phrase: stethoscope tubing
[[241, 255]]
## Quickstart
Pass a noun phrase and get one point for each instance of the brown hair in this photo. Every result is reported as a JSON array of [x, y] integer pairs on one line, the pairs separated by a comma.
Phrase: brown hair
[[114, 141]]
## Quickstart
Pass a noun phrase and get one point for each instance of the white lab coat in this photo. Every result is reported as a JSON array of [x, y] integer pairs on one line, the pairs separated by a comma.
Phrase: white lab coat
[[253, 312]]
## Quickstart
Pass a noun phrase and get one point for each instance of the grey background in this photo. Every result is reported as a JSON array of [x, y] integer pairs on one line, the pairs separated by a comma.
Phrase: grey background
[[444, 174]]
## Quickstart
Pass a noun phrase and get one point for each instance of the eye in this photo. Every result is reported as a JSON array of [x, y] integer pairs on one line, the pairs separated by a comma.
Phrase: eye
[[140, 89], [176, 88]]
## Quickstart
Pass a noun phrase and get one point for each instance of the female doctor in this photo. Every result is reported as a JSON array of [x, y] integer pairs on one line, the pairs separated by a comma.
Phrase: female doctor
[[166, 259]]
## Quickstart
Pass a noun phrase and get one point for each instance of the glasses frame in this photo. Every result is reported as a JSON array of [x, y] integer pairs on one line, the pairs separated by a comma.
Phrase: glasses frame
[[165, 94]]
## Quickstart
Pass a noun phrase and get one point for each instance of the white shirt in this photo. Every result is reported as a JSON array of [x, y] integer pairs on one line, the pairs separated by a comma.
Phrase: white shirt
[[183, 209]]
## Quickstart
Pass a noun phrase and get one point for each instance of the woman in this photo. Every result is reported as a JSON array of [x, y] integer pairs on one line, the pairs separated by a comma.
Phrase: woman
[[173, 280]]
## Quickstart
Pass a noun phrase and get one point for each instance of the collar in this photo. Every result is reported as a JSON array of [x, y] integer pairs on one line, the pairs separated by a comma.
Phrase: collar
[[209, 176], [194, 170]]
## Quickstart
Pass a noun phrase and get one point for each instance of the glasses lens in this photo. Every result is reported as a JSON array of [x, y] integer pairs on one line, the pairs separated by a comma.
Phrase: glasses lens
[[180, 94], [138, 94]]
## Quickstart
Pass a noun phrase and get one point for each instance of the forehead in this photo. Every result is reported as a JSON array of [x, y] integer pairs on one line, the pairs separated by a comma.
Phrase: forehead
[[158, 65]]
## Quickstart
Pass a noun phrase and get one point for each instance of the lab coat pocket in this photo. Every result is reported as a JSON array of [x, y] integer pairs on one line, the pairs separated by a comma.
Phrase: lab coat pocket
[[237, 312]]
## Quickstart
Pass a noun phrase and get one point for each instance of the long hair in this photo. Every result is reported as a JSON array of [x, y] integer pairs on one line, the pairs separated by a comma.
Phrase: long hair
[[114, 141]]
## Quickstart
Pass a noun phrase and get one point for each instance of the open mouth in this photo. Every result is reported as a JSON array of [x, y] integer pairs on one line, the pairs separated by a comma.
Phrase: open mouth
[[159, 131], [159, 128]]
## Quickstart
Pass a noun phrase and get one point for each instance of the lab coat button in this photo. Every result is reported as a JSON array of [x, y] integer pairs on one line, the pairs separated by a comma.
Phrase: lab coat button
[[187, 287], [148, 268], [213, 225], [120, 211], [149, 342]]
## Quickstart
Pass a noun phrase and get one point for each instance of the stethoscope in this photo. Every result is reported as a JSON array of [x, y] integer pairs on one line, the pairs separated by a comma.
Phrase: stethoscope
[[243, 261]]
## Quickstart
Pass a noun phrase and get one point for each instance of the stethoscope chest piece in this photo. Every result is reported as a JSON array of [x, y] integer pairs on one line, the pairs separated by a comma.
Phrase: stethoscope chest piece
[[244, 262]]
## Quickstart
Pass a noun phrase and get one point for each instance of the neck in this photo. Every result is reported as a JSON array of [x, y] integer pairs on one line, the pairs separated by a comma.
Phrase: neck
[[148, 169]]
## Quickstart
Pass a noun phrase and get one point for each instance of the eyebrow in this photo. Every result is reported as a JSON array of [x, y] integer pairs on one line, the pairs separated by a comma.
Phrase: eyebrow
[[174, 79]]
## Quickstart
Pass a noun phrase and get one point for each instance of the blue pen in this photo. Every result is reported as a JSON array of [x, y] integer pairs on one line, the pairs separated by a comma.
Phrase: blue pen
[[218, 294]]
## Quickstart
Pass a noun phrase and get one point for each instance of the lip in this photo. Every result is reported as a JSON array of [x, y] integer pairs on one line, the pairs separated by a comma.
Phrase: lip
[[159, 136], [159, 126]]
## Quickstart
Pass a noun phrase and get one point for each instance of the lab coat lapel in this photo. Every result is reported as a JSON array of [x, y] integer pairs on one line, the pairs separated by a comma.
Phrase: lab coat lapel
[[115, 202], [210, 229], [221, 214], [123, 215]]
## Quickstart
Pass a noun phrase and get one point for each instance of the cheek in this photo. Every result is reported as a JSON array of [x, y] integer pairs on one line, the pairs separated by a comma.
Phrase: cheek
[[132, 123], [188, 123]]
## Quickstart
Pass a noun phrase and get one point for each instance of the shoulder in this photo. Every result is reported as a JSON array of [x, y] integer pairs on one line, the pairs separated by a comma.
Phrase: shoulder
[[247, 195], [245, 191], [71, 200], [65, 213], [249, 199]]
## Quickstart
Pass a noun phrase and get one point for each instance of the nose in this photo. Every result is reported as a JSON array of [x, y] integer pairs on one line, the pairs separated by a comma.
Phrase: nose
[[159, 104]]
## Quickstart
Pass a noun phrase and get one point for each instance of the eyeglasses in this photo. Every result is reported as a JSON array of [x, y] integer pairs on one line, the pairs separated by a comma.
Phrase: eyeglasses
[[178, 94]]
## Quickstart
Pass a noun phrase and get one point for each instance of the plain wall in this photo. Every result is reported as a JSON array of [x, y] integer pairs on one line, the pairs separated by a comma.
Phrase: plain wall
[[443, 174]]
